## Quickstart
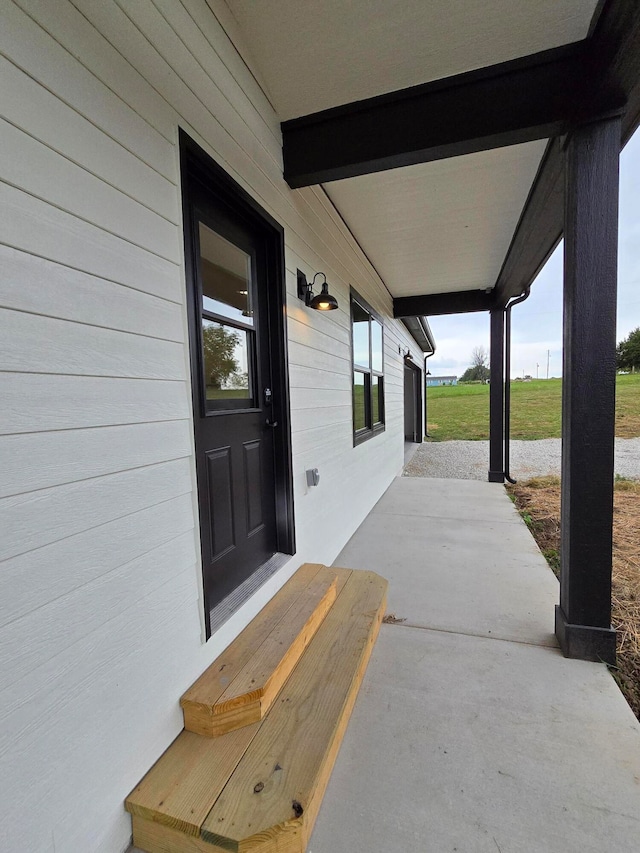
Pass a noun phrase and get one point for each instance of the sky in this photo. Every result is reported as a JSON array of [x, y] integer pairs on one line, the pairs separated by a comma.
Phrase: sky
[[536, 325]]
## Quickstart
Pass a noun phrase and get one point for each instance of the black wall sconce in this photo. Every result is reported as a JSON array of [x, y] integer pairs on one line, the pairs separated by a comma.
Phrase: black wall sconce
[[322, 301]]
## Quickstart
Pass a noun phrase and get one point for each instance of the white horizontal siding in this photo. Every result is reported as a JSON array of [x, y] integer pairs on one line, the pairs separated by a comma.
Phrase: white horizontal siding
[[35, 403], [47, 232], [38, 461], [39, 286], [27, 105], [30, 47], [35, 577], [40, 517], [100, 591]]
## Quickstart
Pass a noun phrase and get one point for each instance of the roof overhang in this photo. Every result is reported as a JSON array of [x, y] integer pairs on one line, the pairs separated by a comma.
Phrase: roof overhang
[[421, 333], [446, 157]]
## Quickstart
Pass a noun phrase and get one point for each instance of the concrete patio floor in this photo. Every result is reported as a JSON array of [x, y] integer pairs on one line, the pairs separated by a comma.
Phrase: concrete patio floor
[[472, 732]]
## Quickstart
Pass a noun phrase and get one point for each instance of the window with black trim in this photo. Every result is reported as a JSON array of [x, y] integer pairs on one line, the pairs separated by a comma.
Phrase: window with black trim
[[367, 335]]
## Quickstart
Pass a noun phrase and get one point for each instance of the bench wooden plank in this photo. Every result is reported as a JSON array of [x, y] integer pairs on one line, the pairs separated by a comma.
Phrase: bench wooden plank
[[205, 692], [251, 694], [278, 784], [187, 779]]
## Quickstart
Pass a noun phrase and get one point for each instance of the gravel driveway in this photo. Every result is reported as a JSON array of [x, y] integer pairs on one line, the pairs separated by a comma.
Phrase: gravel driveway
[[469, 460]]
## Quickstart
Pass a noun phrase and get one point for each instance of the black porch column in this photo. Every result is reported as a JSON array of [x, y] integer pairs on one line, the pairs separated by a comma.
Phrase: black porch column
[[496, 398], [583, 619]]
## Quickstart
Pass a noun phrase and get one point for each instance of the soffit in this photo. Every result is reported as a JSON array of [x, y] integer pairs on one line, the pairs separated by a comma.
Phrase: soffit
[[316, 54], [442, 226]]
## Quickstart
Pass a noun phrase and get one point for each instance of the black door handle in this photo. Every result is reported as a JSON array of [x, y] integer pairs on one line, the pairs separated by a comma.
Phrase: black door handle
[[271, 424]]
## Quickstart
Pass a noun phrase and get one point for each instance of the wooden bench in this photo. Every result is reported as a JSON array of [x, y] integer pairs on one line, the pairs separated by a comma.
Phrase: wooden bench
[[285, 689]]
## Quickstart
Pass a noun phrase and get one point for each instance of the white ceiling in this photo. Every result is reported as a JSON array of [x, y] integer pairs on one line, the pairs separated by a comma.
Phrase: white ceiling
[[435, 227], [442, 226], [316, 54]]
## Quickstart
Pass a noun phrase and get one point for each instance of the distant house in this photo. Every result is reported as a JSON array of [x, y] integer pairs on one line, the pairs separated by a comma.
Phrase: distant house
[[441, 380]]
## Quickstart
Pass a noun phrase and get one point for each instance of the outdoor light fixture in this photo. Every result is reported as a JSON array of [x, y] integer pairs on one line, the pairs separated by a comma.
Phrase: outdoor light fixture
[[322, 301]]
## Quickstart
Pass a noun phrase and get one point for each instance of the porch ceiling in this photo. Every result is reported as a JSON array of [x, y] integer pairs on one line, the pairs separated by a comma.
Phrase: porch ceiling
[[450, 214], [442, 226], [318, 54]]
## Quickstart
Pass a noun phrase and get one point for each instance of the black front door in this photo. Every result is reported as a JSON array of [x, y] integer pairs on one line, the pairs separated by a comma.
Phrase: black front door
[[238, 407]]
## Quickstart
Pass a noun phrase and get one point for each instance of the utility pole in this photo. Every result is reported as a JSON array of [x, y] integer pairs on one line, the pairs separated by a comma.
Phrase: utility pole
[[547, 364], [537, 366]]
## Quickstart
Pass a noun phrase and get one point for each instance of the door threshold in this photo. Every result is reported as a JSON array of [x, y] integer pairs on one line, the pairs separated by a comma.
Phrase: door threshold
[[234, 601]]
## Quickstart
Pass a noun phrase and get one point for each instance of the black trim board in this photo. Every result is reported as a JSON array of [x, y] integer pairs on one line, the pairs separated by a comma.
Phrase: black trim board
[[614, 55], [474, 111], [430, 305]]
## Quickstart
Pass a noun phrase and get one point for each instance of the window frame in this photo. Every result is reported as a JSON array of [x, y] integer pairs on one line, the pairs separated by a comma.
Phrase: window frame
[[372, 427]]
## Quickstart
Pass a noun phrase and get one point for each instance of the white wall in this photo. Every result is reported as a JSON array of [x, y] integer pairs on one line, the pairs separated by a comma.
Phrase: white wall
[[100, 589]]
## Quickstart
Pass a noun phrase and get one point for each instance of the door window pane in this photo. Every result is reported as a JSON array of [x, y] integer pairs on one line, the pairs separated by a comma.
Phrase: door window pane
[[226, 277], [376, 346], [359, 401], [227, 365], [360, 324]]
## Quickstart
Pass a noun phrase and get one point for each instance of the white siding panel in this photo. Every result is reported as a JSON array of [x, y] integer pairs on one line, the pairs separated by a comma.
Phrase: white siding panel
[[39, 518], [37, 403], [31, 641], [189, 88], [31, 580], [41, 460], [34, 226], [40, 171], [319, 398], [85, 764], [36, 344], [31, 107], [302, 354], [265, 126], [311, 376], [38, 286], [223, 33], [83, 41], [28, 46]]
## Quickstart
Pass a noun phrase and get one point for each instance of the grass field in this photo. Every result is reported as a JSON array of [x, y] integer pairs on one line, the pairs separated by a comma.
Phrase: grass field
[[462, 411]]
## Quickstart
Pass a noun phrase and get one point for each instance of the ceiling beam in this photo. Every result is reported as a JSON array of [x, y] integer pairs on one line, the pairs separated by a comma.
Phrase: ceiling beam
[[432, 304], [614, 66], [531, 97]]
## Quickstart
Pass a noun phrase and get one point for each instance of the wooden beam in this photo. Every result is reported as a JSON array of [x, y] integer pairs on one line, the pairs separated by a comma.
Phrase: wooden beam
[[613, 67], [432, 304], [469, 112]]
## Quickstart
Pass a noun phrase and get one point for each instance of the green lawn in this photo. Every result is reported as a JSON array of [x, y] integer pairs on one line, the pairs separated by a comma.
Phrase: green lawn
[[462, 411]]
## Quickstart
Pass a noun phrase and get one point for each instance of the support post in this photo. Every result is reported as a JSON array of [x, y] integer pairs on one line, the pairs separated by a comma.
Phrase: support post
[[583, 619], [496, 398]]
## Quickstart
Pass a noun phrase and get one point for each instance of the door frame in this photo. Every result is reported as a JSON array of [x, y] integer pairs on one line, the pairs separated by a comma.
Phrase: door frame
[[417, 401], [196, 166]]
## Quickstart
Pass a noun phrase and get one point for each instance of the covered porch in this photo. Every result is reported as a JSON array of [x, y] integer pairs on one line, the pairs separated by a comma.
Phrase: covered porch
[[471, 731]]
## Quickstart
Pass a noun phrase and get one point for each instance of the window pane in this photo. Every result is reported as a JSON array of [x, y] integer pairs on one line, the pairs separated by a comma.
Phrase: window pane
[[359, 401], [227, 364], [226, 277], [377, 399], [360, 324], [376, 345]]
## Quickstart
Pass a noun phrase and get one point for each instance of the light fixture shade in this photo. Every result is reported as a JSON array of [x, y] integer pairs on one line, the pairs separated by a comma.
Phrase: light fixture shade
[[324, 301]]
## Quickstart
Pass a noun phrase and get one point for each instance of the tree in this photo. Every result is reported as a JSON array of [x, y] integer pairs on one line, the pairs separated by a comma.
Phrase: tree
[[218, 346], [628, 352], [479, 370], [479, 357]]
